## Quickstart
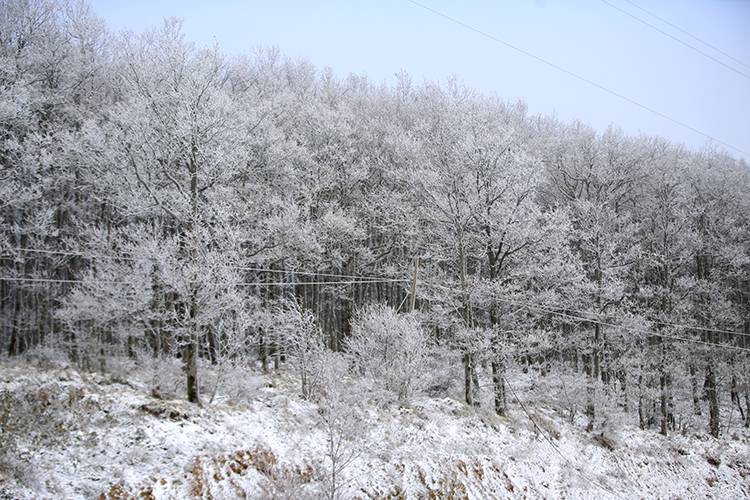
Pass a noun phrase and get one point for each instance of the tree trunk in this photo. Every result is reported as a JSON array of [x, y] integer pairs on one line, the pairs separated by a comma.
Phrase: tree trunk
[[596, 354], [498, 366], [663, 400], [694, 389], [15, 332], [713, 401], [590, 389], [735, 397], [468, 390], [498, 382], [664, 390], [591, 367], [191, 348], [641, 415], [191, 368], [213, 346], [470, 376], [263, 354], [474, 381]]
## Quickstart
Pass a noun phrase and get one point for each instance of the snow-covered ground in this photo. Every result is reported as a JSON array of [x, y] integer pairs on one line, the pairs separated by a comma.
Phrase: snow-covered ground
[[87, 435]]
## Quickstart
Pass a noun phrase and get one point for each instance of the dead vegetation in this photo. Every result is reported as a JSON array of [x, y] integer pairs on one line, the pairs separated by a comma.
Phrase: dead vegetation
[[163, 410], [279, 480], [262, 471], [604, 441]]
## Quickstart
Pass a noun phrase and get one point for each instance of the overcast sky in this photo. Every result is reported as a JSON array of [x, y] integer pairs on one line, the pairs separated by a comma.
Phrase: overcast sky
[[588, 37]]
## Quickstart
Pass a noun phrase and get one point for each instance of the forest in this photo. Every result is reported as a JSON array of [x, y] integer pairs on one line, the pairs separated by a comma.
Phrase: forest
[[161, 202]]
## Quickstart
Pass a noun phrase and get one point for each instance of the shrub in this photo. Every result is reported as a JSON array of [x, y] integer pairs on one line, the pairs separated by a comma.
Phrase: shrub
[[390, 348], [302, 340], [340, 417]]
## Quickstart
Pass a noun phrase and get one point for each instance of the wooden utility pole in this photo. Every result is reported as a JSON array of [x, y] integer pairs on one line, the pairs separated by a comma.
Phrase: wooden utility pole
[[413, 292]]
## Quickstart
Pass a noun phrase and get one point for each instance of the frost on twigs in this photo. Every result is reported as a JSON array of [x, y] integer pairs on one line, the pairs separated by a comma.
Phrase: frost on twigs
[[301, 337], [390, 349], [341, 418]]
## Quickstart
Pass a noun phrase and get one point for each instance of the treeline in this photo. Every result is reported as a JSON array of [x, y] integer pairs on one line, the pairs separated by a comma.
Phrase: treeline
[[161, 198]]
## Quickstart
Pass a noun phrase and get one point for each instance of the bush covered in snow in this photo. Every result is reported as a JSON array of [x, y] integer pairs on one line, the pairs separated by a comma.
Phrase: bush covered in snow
[[390, 348], [340, 418], [302, 341]]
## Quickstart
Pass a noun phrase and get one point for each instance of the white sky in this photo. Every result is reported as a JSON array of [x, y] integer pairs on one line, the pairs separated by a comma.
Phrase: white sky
[[588, 37]]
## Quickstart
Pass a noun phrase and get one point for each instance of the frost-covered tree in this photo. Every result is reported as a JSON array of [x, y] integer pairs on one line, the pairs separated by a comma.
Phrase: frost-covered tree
[[172, 145], [160, 200], [390, 348], [340, 418], [302, 341], [597, 178]]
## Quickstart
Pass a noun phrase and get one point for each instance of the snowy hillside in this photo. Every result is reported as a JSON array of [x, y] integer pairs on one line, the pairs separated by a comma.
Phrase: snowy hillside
[[91, 435], [236, 273]]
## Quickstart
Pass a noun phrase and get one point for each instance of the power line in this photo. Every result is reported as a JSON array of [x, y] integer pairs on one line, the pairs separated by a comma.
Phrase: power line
[[613, 325], [554, 446], [354, 280], [65, 253], [242, 268], [700, 328], [56, 280], [369, 280], [531, 306], [663, 323], [623, 327], [692, 47], [257, 283], [373, 278], [578, 77], [304, 283], [684, 31], [528, 305], [593, 320], [626, 328], [315, 274]]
